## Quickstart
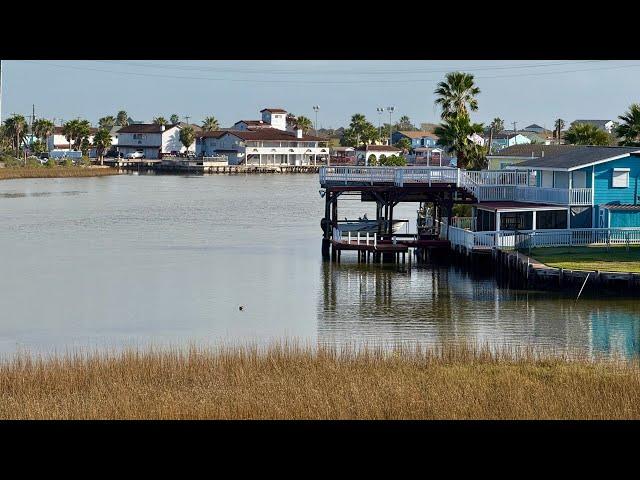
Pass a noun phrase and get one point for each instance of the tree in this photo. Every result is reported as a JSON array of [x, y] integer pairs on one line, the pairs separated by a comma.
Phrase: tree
[[210, 124], [405, 124], [43, 129], [122, 119], [404, 144], [476, 157], [107, 122], [455, 135], [559, 125], [304, 123], [393, 161], [360, 131], [629, 128], [497, 124], [84, 146], [76, 132], [101, 142], [174, 119], [585, 134], [187, 136], [16, 128], [160, 121], [68, 130], [457, 95]]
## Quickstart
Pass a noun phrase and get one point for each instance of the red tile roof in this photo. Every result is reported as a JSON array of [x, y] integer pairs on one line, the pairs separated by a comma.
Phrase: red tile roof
[[380, 148]]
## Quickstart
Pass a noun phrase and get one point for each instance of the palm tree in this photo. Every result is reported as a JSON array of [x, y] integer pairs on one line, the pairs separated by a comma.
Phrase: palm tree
[[122, 119], [585, 134], [43, 129], [160, 121], [69, 130], [187, 136], [457, 95], [497, 124], [16, 127], [82, 132], [405, 124], [101, 142], [210, 124], [559, 125], [304, 123], [455, 135], [107, 122], [629, 129], [174, 119]]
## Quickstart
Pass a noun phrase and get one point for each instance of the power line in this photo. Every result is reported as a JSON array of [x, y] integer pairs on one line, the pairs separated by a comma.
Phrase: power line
[[267, 70], [316, 82]]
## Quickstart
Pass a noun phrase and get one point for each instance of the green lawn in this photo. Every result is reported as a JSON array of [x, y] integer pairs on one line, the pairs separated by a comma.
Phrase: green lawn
[[617, 259]]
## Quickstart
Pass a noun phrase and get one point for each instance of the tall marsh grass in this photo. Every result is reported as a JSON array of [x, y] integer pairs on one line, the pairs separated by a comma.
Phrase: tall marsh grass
[[59, 171], [292, 381]]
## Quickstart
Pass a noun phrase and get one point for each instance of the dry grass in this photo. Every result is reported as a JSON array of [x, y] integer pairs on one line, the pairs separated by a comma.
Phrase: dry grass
[[616, 259], [293, 382], [57, 172]]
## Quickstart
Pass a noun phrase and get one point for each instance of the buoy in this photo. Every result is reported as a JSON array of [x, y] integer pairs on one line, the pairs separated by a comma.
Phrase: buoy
[[241, 307]]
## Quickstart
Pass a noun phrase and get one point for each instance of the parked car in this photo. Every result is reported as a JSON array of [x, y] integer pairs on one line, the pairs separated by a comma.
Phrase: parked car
[[137, 154], [44, 156]]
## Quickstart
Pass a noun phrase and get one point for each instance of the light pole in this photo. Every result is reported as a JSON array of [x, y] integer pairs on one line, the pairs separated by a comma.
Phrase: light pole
[[380, 111], [390, 110], [315, 109]]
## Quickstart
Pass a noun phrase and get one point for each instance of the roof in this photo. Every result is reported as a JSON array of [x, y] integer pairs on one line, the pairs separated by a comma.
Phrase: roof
[[273, 110], [58, 130], [272, 134], [145, 128], [343, 149], [251, 122], [533, 125], [380, 148], [506, 135], [579, 156], [532, 150], [417, 134], [213, 133], [621, 206]]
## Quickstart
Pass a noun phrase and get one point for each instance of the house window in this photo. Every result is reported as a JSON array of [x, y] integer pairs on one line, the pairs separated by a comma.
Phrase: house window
[[138, 136], [620, 178]]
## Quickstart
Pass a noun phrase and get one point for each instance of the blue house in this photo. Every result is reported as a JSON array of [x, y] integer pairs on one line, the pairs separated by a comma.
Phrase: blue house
[[578, 187], [418, 139]]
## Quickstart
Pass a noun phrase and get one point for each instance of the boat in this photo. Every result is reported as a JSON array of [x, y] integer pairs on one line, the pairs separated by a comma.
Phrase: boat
[[364, 225]]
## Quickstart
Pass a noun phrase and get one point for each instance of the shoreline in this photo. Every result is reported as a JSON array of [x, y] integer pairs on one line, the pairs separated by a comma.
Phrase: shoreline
[[12, 173], [290, 381]]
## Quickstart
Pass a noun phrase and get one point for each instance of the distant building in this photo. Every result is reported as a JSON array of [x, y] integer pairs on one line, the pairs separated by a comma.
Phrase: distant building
[[418, 139], [151, 139], [605, 125], [507, 139], [534, 127]]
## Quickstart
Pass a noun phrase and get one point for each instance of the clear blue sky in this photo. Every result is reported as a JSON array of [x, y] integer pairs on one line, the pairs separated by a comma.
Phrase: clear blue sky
[[525, 91]]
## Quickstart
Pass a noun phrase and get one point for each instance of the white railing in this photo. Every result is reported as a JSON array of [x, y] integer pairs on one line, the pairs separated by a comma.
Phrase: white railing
[[463, 222], [485, 185]]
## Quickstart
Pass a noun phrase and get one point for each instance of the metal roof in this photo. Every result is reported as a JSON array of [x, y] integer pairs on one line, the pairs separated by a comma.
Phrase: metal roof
[[577, 157]]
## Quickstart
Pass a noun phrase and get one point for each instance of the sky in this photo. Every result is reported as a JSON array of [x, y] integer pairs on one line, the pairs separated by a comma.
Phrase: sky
[[522, 91]]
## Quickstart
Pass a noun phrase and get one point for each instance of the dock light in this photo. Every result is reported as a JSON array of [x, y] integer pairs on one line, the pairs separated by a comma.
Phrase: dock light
[[322, 193]]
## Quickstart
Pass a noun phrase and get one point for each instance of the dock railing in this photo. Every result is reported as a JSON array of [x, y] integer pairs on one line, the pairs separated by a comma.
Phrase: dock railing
[[485, 185]]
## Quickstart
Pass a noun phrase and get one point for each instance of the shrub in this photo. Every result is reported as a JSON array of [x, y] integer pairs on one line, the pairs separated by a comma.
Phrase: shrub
[[10, 161], [85, 161], [67, 162], [33, 162]]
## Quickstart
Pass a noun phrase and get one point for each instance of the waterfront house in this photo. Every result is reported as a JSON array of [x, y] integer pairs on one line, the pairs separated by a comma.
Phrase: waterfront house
[[265, 146], [58, 141], [574, 187], [153, 140], [605, 125], [418, 138]]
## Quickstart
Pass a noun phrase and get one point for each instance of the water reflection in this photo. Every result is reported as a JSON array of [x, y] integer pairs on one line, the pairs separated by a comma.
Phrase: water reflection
[[435, 304]]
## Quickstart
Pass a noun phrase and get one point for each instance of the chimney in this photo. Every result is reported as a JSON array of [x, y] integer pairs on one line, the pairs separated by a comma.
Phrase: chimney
[[162, 128], [298, 132]]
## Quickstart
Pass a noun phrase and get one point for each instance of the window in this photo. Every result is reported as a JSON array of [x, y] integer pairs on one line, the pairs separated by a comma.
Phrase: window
[[138, 136], [620, 178]]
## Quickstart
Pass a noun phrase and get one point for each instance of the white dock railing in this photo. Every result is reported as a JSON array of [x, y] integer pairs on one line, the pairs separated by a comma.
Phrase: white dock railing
[[485, 185]]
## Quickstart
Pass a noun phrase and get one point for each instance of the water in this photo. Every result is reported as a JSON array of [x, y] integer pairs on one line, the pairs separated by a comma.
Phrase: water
[[167, 260]]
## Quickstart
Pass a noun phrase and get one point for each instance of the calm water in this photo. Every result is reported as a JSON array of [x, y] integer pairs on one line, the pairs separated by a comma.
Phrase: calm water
[[167, 260]]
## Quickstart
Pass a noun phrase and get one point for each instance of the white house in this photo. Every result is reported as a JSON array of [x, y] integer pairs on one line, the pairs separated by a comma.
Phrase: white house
[[268, 146], [58, 141], [153, 140], [370, 152]]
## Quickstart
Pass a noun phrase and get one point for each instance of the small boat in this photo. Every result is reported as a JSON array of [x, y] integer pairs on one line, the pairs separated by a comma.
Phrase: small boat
[[364, 225]]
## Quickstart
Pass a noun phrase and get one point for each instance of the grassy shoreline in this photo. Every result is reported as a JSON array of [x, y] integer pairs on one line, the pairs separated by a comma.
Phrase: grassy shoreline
[[9, 173], [617, 259], [292, 382]]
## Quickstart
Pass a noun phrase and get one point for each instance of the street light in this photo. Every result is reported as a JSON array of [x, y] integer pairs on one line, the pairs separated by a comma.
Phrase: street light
[[380, 111], [315, 109], [390, 110]]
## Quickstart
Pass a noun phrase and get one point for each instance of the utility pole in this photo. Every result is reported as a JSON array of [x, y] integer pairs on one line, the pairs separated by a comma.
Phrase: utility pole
[[390, 110], [380, 111], [187, 117], [315, 109], [514, 127]]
